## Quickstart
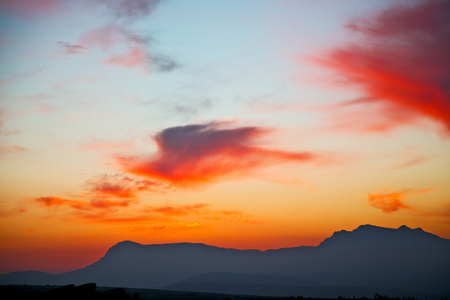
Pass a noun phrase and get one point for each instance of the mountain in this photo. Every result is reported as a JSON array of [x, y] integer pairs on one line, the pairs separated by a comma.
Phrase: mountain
[[362, 262]]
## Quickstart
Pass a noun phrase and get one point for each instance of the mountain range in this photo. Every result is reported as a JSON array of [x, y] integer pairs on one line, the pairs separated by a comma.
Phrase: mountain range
[[400, 262]]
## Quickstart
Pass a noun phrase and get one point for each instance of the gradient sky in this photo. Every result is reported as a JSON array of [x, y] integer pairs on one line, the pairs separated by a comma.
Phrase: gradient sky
[[248, 124]]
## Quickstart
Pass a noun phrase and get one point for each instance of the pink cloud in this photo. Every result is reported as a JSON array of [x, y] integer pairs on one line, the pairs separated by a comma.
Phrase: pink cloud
[[123, 48], [204, 153], [135, 57], [11, 149], [29, 7], [400, 63]]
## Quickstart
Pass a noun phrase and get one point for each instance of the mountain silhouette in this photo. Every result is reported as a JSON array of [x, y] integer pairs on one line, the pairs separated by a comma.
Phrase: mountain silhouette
[[362, 262]]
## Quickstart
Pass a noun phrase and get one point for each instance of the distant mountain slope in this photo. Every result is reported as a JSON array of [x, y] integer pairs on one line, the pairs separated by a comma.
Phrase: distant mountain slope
[[369, 256]]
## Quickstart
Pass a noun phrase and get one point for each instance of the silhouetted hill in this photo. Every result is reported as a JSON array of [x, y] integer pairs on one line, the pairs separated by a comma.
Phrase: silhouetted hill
[[367, 259]]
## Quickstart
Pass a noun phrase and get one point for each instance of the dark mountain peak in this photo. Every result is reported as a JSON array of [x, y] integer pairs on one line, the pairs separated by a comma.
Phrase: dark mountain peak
[[127, 243], [128, 247], [404, 227], [373, 228], [375, 234], [130, 244]]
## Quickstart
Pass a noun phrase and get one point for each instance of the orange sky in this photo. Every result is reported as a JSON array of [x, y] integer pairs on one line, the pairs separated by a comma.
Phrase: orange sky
[[263, 124]]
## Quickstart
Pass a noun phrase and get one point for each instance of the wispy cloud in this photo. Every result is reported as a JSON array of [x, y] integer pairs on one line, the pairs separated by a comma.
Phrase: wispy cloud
[[119, 186], [400, 63], [170, 216], [28, 8], [411, 162], [134, 57], [441, 213], [11, 149], [179, 210], [390, 202], [105, 192], [82, 204], [67, 49], [164, 63], [205, 153], [123, 47], [18, 77], [128, 10]]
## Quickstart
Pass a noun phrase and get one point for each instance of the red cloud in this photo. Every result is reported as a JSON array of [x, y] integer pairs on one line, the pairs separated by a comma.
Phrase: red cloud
[[100, 203], [207, 152], [179, 210], [402, 63], [108, 189], [58, 201], [83, 205], [119, 186], [390, 202]]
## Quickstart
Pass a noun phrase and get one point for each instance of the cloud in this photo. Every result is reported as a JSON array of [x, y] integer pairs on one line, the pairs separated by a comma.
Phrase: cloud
[[106, 192], [442, 212], [205, 153], [67, 49], [17, 77], [82, 204], [123, 47], [29, 7], [134, 57], [119, 186], [164, 63], [401, 63], [390, 202], [129, 9], [411, 162], [11, 149], [169, 216], [180, 210]]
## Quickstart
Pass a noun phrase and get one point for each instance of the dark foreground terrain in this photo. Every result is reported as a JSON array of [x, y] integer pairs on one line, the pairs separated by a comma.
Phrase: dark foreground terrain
[[397, 262], [90, 291]]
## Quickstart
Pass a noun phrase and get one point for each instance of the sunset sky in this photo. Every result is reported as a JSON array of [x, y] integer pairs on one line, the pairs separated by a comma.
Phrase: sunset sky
[[255, 124]]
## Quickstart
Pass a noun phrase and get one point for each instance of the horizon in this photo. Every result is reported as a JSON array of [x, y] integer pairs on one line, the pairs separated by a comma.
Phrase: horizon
[[231, 248], [239, 124], [362, 226]]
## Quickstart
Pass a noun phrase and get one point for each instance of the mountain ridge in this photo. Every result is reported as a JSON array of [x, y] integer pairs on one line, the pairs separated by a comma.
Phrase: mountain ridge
[[365, 227], [367, 258]]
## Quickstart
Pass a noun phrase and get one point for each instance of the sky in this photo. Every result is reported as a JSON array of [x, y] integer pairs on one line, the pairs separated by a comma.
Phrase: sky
[[256, 124]]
